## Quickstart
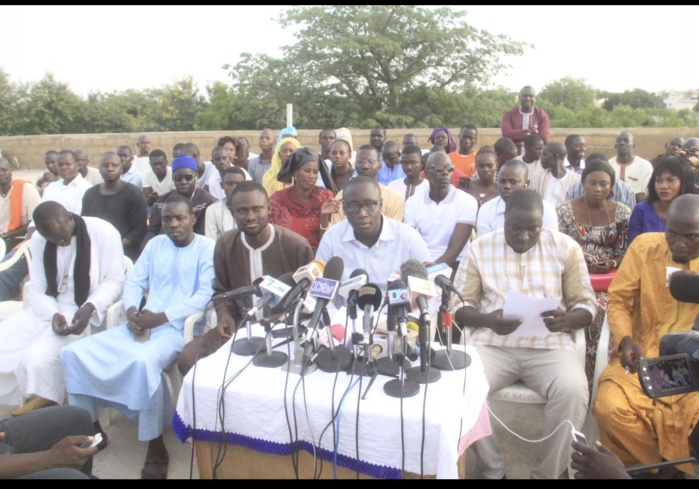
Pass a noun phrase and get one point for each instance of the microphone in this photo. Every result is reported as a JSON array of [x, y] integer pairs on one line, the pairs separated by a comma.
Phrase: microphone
[[349, 289], [398, 300], [369, 299], [325, 288], [238, 293], [685, 288], [303, 277], [440, 274], [415, 274], [273, 291]]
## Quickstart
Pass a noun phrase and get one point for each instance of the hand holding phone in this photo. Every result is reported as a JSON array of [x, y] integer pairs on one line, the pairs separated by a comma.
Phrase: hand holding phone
[[96, 441], [579, 437]]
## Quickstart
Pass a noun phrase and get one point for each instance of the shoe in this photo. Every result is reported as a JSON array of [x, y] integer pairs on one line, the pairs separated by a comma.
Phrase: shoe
[[34, 404], [155, 469]]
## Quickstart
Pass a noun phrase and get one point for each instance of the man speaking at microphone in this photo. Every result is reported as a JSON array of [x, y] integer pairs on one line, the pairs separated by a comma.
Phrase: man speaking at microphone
[[540, 263], [641, 311], [254, 249], [369, 240]]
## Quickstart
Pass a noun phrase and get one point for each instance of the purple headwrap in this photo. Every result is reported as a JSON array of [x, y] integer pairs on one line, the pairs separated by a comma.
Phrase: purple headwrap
[[450, 136]]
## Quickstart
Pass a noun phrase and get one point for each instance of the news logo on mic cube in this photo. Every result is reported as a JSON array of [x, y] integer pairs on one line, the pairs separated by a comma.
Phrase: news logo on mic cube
[[397, 297], [275, 287], [324, 288]]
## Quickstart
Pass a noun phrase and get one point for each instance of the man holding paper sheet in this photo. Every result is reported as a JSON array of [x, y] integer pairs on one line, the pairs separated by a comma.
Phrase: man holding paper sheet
[[540, 264]]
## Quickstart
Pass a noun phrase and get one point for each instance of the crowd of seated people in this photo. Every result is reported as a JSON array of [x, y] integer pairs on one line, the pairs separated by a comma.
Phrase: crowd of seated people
[[194, 228]]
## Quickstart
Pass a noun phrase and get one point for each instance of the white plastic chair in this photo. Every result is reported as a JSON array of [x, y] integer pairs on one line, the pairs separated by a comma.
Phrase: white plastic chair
[[10, 308]]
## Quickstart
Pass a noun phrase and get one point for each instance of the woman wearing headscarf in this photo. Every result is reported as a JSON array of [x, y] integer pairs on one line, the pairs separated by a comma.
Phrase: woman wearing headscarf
[[303, 207], [285, 147], [442, 136]]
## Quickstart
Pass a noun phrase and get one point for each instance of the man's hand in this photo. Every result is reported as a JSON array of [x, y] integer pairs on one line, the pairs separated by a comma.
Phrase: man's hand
[[149, 320], [80, 320], [59, 324], [556, 321], [500, 326], [226, 327], [132, 321], [596, 462], [67, 452], [631, 353]]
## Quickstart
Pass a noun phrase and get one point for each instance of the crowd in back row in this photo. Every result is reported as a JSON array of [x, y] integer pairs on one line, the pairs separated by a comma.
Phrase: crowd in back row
[[388, 204]]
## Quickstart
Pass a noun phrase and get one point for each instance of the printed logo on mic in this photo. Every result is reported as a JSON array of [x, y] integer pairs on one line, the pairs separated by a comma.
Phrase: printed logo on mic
[[324, 288], [398, 297]]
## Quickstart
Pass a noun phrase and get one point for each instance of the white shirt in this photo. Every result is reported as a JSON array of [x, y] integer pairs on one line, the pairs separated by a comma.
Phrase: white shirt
[[69, 196], [141, 163], [637, 173], [400, 187], [491, 216], [150, 180], [209, 169], [397, 243], [30, 199], [435, 221], [93, 176], [215, 187], [218, 219]]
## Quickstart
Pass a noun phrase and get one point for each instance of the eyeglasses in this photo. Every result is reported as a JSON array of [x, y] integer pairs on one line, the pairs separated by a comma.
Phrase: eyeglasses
[[366, 160], [187, 177], [367, 206], [441, 168]]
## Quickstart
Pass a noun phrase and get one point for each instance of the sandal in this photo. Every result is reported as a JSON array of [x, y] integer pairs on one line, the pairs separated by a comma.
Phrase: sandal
[[155, 469]]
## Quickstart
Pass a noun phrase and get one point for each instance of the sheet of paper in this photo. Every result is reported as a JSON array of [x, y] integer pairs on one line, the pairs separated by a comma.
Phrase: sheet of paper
[[528, 309]]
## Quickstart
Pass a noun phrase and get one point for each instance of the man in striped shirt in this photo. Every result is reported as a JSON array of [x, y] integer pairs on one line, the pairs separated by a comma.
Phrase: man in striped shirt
[[527, 258]]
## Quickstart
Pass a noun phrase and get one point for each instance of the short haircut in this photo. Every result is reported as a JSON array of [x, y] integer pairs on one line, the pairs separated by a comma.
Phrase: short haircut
[[379, 126], [504, 144], [156, 153], [557, 148], [51, 152], [234, 170], [369, 147], [570, 138], [596, 156], [46, 211], [524, 199], [177, 147], [177, 199], [485, 149], [515, 164], [68, 152], [320, 134], [676, 166], [361, 180], [109, 154], [124, 147], [468, 126], [390, 146], [227, 139], [191, 149], [600, 165], [249, 186], [412, 149], [532, 139]]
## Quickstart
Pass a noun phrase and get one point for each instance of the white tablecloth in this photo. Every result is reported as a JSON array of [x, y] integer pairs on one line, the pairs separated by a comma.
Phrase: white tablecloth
[[253, 410]]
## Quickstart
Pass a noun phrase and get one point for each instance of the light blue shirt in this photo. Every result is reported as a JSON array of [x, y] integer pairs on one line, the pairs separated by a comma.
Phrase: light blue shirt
[[180, 279], [387, 175], [397, 243], [134, 177]]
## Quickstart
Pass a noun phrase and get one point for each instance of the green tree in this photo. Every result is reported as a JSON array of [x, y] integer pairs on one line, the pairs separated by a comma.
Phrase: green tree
[[9, 97], [106, 113], [636, 99], [573, 93], [365, 60], [49, 107], [174, 107]]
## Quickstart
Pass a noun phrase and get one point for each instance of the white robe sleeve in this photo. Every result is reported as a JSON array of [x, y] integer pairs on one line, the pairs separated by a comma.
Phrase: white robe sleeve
[[43, 306], [106, 270]]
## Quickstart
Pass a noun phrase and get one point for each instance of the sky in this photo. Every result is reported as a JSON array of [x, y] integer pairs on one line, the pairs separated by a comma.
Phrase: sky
[[115, 48]]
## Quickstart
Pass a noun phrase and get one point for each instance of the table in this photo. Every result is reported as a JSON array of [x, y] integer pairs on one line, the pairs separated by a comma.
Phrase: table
[[264, 409]]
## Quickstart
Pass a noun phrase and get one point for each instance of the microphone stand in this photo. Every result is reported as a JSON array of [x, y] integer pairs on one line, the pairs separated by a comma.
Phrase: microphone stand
[[250, 345], [401, 387], [365, 364], [297, 365], [389, 365], [424, 373], [352, 314], [333, 359], [271, 358], [447, 359]]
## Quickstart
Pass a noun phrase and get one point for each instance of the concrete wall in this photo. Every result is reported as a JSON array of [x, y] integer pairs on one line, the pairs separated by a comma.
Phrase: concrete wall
[[29, 150]]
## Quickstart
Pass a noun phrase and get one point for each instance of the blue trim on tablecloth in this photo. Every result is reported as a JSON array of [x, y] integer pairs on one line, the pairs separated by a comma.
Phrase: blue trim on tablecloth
[[183, 432]]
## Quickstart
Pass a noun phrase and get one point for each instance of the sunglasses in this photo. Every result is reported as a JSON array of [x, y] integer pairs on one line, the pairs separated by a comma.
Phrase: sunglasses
[[185, 177]]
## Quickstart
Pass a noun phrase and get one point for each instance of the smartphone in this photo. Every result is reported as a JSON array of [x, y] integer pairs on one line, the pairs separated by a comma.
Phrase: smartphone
[[601, 263], [94, 442], [579, 437]]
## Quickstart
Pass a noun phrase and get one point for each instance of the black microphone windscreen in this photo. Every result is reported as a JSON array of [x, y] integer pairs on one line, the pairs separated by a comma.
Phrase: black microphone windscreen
[[334, 268], [287, 278], [359, 272], [413, 268], [685, 288], [369, 294]]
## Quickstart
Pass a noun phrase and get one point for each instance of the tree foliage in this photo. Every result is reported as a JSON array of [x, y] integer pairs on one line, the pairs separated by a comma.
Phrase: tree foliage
[[636, 99]]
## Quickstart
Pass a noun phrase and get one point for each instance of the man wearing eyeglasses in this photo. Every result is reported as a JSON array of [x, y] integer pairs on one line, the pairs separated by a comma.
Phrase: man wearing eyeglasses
[[368, 239], [184, 174], [444, 215], [368, 163]]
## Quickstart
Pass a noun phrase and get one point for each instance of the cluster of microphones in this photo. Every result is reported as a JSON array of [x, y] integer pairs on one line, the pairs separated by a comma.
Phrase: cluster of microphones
[[310, 290]]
